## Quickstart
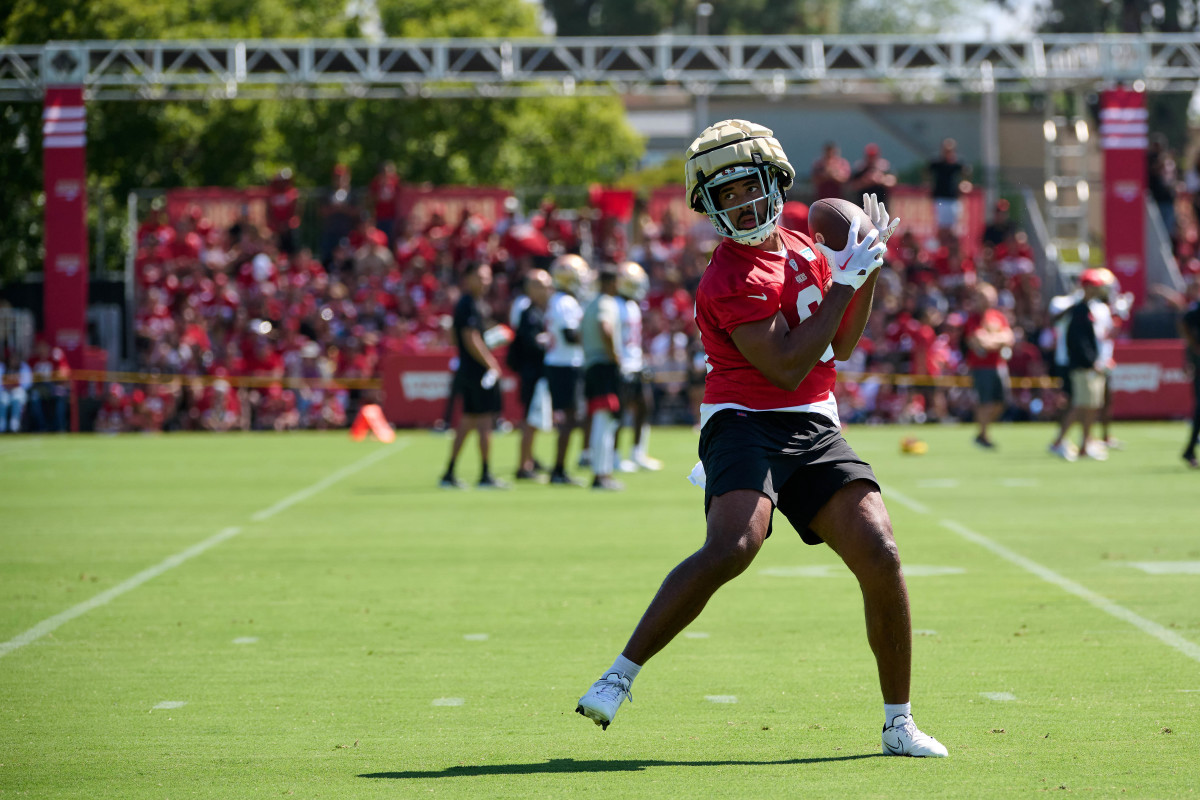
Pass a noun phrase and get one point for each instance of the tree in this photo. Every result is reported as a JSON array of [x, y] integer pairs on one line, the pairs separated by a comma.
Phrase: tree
[[797, 17], [1168, 112], [506, 142]]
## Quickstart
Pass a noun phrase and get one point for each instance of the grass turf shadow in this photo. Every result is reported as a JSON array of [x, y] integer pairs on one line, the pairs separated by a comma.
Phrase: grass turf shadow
[[568, 765]]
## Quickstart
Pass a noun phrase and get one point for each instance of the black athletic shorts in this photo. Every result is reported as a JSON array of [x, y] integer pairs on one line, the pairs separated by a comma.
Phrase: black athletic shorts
[[564, 387], [529, 379], [476, 399], [602, 388], [797, 459], [990, 385]]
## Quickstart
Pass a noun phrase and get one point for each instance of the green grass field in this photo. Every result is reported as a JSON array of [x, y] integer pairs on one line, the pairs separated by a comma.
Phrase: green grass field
[[297, 615]]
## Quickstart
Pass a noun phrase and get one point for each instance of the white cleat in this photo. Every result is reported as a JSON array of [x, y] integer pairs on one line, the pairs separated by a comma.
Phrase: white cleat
[[625, 465], [1064, 450], [902, 738], [1096, 451], [647, 463], [600, 703]]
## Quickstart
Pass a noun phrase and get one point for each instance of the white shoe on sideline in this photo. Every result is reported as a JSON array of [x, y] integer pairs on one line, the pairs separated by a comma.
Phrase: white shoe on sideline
[[1064, 450], [646, 462], [902, 738], [600, 703], [1096, 451], [625, 465]]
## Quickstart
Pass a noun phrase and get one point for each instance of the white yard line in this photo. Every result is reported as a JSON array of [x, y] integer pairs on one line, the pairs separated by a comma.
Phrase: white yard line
[[904, 500], [1188, 648], [48, 625]]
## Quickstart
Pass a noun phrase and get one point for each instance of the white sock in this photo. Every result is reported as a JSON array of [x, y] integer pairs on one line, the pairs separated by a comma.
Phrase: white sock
[[625, 667], [600, 453], [893, 710], [642, 448]]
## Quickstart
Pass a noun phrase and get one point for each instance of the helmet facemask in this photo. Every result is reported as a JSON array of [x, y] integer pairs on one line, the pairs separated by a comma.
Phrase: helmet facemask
[[733, 150], [767, 207]]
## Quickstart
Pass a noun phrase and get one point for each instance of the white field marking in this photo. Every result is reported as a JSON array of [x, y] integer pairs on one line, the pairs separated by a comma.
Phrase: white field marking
[[695, 635], [246, 640], [1189, 649], [1000, 697], [475, 637], [1187, 690], [1167, 567], [1020, 483], [938, 483], [171, 704], [325, 483], [721, 698], [448, 701], [924, 632], [904, 500], [839, 571], [48, 625]]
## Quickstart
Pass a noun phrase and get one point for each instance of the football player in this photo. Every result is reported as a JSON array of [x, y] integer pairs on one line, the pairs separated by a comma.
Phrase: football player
[[564, 357], [632, 286], [601, 336], [775, 309]]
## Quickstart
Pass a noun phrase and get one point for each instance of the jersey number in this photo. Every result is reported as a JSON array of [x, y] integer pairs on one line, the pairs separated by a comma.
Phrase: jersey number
[[807, 301]]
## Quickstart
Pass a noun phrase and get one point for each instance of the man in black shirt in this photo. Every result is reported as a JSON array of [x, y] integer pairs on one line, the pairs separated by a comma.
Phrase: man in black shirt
[[478, 376], [526, 356], [1189, 328], [949, 178]]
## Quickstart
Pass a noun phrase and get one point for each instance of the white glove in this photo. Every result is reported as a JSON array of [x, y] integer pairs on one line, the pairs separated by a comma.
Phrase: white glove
[[489, 379], [879, 216], [852, 266]]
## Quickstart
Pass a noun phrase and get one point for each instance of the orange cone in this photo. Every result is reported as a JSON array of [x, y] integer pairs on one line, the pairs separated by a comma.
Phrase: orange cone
[[370, 419]]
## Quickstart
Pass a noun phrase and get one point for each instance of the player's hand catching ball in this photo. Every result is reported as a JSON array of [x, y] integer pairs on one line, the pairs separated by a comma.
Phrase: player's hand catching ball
[[854, 264], [878, 214]]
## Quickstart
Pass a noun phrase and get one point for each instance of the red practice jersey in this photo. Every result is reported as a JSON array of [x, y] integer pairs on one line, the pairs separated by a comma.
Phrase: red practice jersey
[[745, 284]]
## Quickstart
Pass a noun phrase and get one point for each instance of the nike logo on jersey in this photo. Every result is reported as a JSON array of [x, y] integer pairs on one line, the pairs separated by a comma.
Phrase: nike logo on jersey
[[758, 296]]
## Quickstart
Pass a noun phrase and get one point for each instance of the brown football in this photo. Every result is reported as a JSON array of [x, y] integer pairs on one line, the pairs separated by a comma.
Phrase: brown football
[[829, 221]]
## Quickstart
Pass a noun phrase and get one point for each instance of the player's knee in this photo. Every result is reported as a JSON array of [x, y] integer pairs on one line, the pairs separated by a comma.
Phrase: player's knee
[[730, 555]]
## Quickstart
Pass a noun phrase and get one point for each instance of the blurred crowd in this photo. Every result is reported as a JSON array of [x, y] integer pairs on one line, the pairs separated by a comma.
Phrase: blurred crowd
[[215, 302]]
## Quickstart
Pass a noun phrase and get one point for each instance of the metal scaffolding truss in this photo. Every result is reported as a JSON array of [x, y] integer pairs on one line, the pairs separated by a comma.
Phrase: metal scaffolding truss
[[706, 65]]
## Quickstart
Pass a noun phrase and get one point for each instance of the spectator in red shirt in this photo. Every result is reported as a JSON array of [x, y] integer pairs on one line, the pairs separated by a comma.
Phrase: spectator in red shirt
[[830, 173], [989, 341], [384, 193], [872, 175]]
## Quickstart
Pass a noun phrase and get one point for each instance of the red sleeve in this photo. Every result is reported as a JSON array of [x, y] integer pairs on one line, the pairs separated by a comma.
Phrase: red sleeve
[[730, 307]]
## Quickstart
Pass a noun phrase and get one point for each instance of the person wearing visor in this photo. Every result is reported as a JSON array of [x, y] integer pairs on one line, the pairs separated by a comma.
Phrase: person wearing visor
[[775, 310]]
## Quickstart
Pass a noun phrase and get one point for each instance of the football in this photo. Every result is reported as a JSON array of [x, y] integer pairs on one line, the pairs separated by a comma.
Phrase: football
[[830, 219]]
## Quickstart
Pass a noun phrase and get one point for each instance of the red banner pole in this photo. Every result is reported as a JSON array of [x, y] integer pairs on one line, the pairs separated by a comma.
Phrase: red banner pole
[[1124, 130], [65, 291]]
